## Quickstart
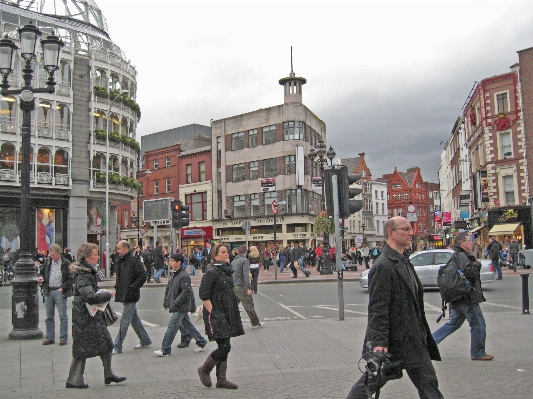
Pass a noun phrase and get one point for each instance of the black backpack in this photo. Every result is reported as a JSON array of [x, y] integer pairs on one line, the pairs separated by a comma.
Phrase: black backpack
[[453, 284]]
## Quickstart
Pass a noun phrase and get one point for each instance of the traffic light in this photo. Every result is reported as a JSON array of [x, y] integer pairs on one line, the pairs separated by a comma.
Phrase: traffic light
[[348, 206], [180, 214]]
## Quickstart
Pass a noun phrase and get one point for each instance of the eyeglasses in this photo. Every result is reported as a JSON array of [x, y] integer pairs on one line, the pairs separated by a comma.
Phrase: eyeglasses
[[406, 229]]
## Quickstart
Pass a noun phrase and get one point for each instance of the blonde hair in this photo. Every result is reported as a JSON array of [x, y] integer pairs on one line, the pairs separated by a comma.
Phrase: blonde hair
[[254, 253]]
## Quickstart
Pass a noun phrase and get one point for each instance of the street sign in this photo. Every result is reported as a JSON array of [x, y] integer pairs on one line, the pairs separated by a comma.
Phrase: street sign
[[246, 226], [274, 207], [143, 232]]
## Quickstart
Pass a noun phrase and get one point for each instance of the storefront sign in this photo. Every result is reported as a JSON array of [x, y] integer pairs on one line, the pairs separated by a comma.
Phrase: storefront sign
[[464, 198], [446, 218], [510, 215], [317, 183]]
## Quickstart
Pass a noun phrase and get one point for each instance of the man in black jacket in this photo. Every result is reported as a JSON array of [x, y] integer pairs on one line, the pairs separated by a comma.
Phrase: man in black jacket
[[57, 287], [131, 276], [148, 259], [206, 256], [468, 307], [495, 250], [396, 319], [293, 256]]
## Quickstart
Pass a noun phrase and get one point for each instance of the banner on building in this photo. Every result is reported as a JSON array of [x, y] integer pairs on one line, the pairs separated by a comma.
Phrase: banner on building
[[268, 185], [96, 213], [446, 218], [45, 228]]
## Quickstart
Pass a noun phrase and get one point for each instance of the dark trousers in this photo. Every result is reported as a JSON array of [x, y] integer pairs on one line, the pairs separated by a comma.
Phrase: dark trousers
[[422, 374], [255, 277], [149, 271], [293, 268], [220, 354]]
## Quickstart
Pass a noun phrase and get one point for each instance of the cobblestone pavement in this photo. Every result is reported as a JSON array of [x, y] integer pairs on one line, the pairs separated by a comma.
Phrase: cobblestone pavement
[[313, 358]]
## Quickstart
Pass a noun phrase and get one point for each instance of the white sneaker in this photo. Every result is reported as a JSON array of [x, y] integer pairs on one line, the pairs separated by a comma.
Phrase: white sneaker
[[200, 348], [161, 353], [260, 325], [115, 352], [139, 346]]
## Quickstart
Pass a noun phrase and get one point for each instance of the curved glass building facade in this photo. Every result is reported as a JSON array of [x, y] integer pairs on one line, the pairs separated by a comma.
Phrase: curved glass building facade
[[69, 155]]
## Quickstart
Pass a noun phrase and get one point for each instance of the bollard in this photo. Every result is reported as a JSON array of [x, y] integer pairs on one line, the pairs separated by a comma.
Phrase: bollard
[[525, 293]]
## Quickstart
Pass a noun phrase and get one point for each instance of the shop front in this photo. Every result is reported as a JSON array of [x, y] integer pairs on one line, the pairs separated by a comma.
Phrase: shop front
[[511, 222], [195, 237]]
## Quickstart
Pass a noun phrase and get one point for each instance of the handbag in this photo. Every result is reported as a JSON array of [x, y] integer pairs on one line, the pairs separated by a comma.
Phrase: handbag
[[110, 316]]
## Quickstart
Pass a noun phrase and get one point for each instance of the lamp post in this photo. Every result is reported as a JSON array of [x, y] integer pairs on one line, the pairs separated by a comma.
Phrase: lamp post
[[363, 227], [25, 302], [321, 157], [108, 256], [140, 161]]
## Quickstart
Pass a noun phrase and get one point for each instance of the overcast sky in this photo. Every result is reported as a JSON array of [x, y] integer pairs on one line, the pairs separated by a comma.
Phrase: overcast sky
[[388, 78]]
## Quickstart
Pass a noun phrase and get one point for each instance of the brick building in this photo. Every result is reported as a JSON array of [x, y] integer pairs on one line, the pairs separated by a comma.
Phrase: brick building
[[407, 197], [496, 146]]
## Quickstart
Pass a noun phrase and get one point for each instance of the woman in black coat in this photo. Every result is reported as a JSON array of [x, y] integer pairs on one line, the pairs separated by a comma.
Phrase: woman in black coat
[[90, 336], [221, 316]]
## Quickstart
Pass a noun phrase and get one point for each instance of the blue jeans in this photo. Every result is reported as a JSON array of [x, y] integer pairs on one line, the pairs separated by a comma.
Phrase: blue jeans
[[130, 316], [281, 266], [158, 274], [301, 262], [174, 323], [497, 267], [53, 299], [478, 330], [193, 270]]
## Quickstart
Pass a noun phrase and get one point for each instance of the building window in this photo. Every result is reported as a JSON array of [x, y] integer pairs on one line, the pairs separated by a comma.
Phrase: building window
[[377, 208], [156, 163], [167, 184], [252, 138], [239, 206], [156, 187], [142, 189], [290, 164], [269, 197], [296, 201], [197, 203], [376, 193], [293, 130], [382, 195], [368, 204], [126, 217], [367, 188], [219, 148], [270, 168], [382, 208], [254, 202], [238, 172], [405, 195], [269, 134], [388, 197], [254, 170], [237, 141], [201, 170], [508, 189], [502, 103], [167, 162], [188, 172], [505, 145]]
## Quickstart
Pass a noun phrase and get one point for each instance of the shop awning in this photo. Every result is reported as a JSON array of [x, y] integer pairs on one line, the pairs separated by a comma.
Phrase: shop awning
[[507, 228], [475, 230]]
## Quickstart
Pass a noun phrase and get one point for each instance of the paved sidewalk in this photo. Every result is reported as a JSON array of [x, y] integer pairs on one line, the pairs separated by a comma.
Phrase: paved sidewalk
[[296, 359]]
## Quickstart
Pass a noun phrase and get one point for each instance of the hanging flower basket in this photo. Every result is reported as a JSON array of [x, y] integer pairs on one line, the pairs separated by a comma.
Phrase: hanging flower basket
[[323, 224]]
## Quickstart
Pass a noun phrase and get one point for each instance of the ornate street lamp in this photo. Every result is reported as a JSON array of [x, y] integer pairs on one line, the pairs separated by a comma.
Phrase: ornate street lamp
[[25, 301], [147, 172], [108, 256], [321, 157]]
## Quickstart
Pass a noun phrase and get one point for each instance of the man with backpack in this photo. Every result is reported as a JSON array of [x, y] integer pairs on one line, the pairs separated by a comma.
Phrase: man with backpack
[[495, 249], [467, 307]]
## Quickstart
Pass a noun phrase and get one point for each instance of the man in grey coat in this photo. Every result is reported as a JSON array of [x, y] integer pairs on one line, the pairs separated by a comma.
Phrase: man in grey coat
[[243, 289], [396, 319], [467, 308]]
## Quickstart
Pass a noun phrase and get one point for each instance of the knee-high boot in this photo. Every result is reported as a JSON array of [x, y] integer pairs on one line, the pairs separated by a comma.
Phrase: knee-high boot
[[222, 368], [109, 376], [75, 376], [204, 371]]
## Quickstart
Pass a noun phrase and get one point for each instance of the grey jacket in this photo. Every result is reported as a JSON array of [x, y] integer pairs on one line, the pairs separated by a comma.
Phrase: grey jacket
[[471, 268], [514, 248], [179, 297], [241, 269]]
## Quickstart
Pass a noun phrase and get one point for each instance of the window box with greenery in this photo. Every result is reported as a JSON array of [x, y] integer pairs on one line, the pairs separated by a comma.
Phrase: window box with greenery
[[101, 92], [100, 134]]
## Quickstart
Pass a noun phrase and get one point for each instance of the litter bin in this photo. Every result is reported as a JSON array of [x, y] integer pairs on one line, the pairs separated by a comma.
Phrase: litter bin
[[528, 258]]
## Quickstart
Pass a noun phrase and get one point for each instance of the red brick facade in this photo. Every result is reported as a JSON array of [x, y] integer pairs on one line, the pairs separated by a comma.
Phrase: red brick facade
[[525, 58]]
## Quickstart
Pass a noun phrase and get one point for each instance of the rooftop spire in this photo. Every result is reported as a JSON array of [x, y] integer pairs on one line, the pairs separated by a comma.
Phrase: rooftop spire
[[293, 86]]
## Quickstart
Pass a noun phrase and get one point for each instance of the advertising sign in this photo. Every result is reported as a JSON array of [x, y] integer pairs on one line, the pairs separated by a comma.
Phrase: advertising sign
[[317, 183], [268, 185], [464, 198], [96, 220], [155, 210], [446, 218], [484, 186], [45, 228]]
